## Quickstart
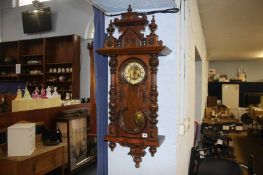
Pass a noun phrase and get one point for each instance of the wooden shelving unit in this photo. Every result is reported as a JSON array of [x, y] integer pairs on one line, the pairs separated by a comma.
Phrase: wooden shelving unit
[[7, 65], [31, 74], [37, 57], [8, 59], [32, 52], [61, 54], [56, 63]]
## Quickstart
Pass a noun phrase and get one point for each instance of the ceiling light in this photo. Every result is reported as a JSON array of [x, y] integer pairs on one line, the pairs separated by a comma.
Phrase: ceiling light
[[260, 54]]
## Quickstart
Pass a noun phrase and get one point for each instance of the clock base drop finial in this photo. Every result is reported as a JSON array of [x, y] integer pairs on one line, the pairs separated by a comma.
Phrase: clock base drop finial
[[112, 145], [137, 153], [152, 150]]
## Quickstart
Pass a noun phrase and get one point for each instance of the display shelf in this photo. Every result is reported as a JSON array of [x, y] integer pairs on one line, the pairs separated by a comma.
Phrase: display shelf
[[59, 73], [32, 55], [62, 82], [9, 80], [8, 76], [7, 65], [8, 59], [43, 54], [32, 74], [67, 90], [68, 57], [31, 48], [9, 50], [37, 85], [58, 63], [31, 64]]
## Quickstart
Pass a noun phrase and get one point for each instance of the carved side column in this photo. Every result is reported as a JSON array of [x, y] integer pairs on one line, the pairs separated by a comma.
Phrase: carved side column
[[154, 63], [113, 100]]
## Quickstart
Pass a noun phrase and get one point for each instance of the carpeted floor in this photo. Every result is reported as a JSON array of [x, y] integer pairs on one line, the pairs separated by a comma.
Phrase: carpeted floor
[[89, 170], [245, 144]]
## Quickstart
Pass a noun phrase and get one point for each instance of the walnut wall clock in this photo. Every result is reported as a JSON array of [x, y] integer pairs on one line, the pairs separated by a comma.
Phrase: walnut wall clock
[[133, 90]]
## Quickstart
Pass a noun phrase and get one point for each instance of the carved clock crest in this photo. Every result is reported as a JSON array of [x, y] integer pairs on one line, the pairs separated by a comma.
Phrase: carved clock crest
[[133, 91]]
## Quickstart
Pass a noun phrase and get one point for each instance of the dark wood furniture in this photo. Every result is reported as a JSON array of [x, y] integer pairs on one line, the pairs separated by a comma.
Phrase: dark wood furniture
[[31, 58], [47, 115], [93, 114], [63, 53], [43, 160], [8, 100], [255, 113], [8, 59], [75, 125], [133, 90], [37, 57], [249, 92], [226, 125]]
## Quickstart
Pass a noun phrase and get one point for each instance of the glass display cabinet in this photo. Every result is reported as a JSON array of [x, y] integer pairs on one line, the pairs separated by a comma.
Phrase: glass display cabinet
[[74, 125]]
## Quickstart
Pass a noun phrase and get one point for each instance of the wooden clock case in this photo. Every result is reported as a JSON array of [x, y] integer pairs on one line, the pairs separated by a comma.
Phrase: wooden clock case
[[133, 107]]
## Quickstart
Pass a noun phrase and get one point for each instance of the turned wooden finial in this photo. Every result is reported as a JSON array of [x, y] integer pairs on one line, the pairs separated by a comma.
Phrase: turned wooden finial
[[129, 8], [112, 145], [153, 26], [110, 29]]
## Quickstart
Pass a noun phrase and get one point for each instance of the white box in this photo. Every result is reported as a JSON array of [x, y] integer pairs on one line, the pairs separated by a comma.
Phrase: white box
[[21, 139]]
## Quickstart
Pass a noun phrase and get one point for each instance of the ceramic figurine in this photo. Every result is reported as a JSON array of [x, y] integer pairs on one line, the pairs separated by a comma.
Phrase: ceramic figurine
[[61, 78], [35, 93], [55, 93], [48, 92], [18, 94], [55, 70], [27, 95], [67, 96], [43, 93]]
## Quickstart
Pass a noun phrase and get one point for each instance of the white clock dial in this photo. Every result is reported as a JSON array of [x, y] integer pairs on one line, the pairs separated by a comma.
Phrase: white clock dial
[[134, 72]]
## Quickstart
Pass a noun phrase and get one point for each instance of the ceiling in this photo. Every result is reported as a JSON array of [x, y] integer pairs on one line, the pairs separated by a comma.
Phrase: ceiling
[[233, 28], [116, 6]]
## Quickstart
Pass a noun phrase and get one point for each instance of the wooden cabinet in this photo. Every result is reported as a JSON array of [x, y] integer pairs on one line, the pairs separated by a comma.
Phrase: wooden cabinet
[[81, 149], [53, 61], [8, 59], [31, 58], [63, 55], [93, 113], [43, 160]]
